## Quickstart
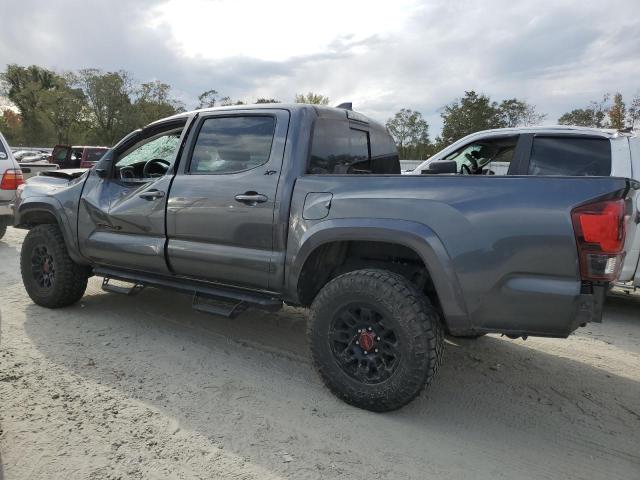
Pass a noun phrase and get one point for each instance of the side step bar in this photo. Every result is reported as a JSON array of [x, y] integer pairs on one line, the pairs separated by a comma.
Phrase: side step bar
[[132, 290], [208, 298], [217, 305]]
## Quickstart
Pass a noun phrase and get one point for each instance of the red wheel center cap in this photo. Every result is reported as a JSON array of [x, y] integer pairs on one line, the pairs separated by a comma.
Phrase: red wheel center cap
[[366, 340], [45, 267]]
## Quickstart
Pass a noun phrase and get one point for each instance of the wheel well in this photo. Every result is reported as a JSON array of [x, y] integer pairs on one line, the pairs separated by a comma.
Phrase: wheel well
[[37, 217], [332, 259]]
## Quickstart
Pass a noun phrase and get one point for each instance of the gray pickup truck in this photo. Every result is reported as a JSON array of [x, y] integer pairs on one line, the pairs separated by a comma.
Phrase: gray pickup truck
[[256, 206]]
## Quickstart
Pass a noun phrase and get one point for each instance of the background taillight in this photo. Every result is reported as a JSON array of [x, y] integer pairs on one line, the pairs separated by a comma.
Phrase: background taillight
[[600, 232], [11, 179]]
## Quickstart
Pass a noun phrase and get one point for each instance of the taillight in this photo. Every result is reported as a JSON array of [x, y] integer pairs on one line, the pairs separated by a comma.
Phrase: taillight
[[11, 179], [600, 232]]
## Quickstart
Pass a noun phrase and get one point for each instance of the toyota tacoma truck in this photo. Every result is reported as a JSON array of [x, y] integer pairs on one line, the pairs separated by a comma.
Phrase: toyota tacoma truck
[[256, 206]]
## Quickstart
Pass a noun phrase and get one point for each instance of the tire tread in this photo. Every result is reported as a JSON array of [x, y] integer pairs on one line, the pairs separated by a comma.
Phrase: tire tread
[[71, 279], [429, 341]]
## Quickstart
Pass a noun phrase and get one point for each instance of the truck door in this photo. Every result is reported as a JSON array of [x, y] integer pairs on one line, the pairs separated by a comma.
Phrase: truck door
[[121, 217], [220, 211]]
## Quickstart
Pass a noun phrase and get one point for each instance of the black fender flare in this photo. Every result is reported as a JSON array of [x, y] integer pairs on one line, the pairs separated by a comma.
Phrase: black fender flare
[[416, 236], [50, 206]]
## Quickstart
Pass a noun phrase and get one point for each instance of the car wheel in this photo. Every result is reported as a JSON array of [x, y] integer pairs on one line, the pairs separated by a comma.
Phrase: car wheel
[[49, 275], [375, 339]]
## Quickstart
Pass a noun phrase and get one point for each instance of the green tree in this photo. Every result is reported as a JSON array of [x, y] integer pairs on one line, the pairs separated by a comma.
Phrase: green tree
[[25, 86], [109, 100], [312, 98], [617, 113], [11, 127], [410, 132], [227, 101], [471, 113], [633, 116], [267, 100], [592, 116], [518, 113], [153, 102], [207, 99], [64, 106]]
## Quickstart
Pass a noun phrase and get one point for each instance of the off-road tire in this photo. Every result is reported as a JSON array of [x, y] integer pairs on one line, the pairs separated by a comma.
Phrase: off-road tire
[[3, 229], [406, 310], [70, 280]]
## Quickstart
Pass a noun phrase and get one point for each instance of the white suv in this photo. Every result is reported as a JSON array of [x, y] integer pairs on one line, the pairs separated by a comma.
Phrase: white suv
[[10, 179], [552, 150]]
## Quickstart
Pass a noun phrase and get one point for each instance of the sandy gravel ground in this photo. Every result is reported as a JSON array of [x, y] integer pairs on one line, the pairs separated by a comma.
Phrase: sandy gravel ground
[[143, 387]]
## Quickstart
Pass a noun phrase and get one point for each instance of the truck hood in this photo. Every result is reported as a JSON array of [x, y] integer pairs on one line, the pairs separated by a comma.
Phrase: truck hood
[[48, 181], [68, 173]]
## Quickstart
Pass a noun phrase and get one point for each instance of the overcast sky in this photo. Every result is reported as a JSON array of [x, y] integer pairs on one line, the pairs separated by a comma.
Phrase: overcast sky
[[382, 55]]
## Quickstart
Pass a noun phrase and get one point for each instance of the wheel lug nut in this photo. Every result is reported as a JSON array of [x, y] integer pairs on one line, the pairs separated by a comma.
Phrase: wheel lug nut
[[357, 342], [359, 330], [378, 338], [376, 350], [370, 328], [365, 352]]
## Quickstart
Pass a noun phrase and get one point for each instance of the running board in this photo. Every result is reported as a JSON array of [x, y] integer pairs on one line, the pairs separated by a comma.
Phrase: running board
[[209, 298], [217, 305]]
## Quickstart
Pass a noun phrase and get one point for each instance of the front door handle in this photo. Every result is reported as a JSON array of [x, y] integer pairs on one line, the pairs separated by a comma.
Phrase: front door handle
[[152, 194], [251, 198]]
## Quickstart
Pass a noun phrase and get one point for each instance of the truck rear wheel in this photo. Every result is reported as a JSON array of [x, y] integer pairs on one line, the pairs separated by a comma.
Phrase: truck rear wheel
[[375, 339], [49, 275]]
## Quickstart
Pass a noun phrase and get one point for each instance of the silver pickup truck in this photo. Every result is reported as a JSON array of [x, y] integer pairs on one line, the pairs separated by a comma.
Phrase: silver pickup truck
[[253, 206]]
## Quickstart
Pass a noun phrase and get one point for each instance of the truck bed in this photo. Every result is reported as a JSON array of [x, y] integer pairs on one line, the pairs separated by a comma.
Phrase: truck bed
[[507, 243]]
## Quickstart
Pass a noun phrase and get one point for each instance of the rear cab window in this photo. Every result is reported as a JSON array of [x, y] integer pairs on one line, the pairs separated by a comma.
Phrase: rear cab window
[[342, 146], [570, 156]]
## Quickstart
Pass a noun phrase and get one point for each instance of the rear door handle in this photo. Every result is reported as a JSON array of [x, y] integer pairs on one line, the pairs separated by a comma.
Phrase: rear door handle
[[152, 194], [251, 198]]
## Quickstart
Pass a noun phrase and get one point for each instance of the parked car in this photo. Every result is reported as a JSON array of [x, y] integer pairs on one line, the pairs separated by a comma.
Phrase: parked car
[[67, 156], [10, 179], [30, 155], [555, 150], [253, 206]]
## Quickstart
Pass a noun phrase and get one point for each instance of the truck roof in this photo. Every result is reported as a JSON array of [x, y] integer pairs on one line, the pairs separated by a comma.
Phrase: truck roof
[[320, 110], [603, 132]]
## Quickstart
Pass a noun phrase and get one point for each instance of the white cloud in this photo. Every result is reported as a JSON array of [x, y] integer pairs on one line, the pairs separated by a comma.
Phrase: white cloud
[[276, 30], [381, 55]]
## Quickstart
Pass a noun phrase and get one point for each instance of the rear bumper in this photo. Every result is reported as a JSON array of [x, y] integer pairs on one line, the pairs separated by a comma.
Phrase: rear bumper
[[540, 306]]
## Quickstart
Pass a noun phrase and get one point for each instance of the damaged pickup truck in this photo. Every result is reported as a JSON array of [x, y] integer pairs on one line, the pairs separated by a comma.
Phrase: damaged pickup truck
[[256, 206]]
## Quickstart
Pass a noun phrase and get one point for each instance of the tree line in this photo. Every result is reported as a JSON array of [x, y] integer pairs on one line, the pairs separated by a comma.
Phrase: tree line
[[474, 112], [91, 106]]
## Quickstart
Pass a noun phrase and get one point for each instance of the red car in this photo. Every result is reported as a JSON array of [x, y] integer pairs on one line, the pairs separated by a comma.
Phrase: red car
[[67, 156]]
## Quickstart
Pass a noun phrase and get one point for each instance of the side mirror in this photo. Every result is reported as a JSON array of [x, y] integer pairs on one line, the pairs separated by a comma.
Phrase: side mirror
[[449, 166], [103, 166]]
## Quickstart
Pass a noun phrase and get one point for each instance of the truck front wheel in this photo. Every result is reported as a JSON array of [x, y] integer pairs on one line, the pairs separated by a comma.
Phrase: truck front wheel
[[49, 275], [375, 339]]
